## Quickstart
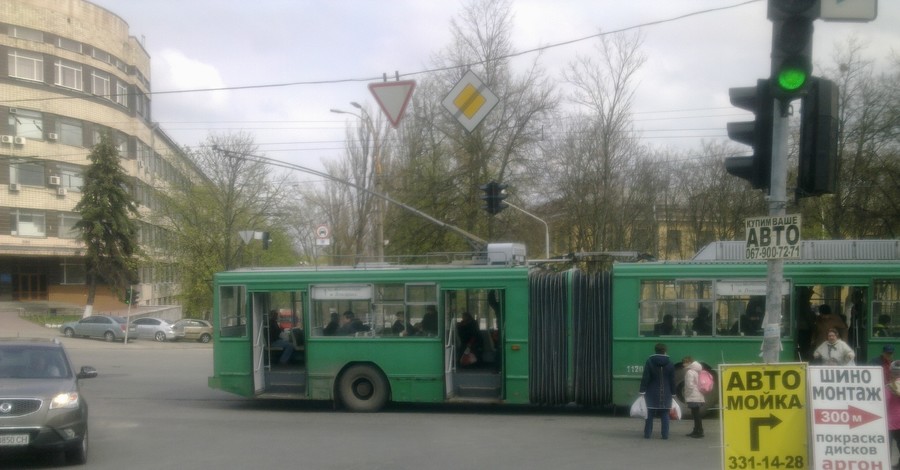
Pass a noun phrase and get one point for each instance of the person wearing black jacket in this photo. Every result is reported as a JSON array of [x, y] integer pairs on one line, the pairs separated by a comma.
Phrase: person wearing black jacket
[[658, 388]]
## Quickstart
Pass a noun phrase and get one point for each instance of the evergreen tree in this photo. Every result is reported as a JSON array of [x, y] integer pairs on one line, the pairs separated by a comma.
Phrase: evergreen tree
[[107, 226]]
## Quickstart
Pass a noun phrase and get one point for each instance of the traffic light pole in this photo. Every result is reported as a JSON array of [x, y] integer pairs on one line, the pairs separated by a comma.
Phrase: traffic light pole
[[771, 347]]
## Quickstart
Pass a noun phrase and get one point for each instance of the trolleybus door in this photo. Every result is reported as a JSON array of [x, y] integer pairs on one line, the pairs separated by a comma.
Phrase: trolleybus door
[[450, 355], [259, 342]]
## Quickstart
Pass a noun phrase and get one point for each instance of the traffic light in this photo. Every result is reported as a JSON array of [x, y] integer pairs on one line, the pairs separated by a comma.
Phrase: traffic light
[[757, 168], [792, 31], [265, 240], [818, 139], [493, 197], [132, 296]]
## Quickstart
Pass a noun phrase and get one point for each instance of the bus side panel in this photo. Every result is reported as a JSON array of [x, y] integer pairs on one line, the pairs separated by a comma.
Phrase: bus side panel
[[413, 366], [515, 343], [233, 368]]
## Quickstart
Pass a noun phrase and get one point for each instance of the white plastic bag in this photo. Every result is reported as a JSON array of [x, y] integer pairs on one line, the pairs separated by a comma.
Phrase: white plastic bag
[[639, 408], [675, 410]]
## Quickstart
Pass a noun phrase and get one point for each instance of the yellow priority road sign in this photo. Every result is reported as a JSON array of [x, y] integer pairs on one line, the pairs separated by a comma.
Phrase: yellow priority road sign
[[764, 416], [470, 101]]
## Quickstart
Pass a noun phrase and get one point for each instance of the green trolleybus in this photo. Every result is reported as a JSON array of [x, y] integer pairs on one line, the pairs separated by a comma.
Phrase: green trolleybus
[[510, 332]]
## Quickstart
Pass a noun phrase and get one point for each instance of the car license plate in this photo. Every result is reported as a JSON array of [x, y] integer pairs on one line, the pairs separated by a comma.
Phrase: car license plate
[[14, 439]]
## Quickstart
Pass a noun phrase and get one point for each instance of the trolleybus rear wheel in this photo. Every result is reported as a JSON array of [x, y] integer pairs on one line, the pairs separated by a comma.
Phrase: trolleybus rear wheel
[[363, 388]]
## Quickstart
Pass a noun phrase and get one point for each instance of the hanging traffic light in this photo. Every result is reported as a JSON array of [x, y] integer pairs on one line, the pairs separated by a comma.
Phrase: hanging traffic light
[[757, 168], [792, 31], [818, 139], [493, 197]]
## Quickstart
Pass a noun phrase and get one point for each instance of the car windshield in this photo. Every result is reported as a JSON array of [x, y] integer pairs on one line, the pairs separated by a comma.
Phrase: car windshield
[[28, 362]]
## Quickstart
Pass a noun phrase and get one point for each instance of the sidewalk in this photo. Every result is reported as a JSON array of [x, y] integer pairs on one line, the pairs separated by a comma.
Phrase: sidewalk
[[11, 325]]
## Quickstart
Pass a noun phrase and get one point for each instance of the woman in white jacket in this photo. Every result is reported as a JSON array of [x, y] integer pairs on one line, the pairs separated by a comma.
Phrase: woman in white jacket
[[692, 395]]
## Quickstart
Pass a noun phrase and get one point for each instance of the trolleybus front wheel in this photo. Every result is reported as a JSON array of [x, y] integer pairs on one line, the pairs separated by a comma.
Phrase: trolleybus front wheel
[[363, 388]]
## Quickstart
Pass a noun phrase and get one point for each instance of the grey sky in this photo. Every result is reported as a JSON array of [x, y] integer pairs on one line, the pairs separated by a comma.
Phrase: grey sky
[[227, 43]]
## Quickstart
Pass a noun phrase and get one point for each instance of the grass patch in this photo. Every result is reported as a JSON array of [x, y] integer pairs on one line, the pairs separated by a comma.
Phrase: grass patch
[[47, 319]]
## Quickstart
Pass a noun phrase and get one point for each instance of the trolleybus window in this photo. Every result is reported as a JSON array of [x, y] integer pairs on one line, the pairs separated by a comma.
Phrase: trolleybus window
[[705, 307], [232, 313], [886, 308], [373, 309]]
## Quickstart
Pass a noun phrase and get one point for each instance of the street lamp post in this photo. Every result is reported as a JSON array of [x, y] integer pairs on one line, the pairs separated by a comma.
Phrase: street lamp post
[[376, 176]]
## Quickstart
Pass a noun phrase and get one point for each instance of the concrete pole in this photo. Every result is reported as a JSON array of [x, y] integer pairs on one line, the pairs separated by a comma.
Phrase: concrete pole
[[771, 347]]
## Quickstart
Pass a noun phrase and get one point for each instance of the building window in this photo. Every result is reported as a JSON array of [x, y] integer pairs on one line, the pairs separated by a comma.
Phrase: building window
[[26, 173], [70, 178], [27, 123], [28, 224], [102, 56], [67, 226], [70, 132], [73, 272], [69, 45], [122, 94], [26, 33], [100, 84], [68, 74], [26, 65]]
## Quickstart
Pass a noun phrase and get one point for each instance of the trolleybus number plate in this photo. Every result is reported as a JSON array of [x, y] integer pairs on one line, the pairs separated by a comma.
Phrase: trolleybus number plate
[[14, 439]]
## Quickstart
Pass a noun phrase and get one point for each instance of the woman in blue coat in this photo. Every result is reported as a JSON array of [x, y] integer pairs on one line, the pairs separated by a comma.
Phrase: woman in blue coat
[[658, 388]]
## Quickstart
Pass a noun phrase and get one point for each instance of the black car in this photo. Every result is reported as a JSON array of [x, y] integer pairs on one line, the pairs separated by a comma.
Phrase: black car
[[41, 405]]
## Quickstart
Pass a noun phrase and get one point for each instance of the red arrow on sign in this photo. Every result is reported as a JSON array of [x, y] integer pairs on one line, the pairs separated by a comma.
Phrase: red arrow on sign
[[393, 97], [852, 416]]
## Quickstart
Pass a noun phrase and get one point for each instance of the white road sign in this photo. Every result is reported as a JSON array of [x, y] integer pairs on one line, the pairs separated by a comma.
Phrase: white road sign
[[849, 10], [393, 97], [773, 237], [849, 419]]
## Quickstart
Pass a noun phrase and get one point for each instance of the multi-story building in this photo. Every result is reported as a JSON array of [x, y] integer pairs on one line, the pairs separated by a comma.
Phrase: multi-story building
[[69, 71]]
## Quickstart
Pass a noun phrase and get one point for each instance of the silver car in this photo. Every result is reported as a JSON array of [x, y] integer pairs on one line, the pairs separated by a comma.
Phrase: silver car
[[41, 405], [153, 328], [98, 326]]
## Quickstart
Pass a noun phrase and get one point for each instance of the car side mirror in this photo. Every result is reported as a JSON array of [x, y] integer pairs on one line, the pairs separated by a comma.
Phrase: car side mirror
[[87, 372]]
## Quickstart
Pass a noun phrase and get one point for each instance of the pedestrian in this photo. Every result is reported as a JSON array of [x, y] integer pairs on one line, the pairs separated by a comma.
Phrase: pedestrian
[[893, 405], [658, 388], [834, 351], [692, 394], [884, 360]]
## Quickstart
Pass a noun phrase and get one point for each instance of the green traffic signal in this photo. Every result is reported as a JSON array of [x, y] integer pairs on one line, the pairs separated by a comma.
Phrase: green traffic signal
[[792, 78]]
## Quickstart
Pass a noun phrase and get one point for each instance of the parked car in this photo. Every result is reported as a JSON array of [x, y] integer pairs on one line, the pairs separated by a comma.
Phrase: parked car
[[154, 328], [98, 326], [41, 405], [189, 328]]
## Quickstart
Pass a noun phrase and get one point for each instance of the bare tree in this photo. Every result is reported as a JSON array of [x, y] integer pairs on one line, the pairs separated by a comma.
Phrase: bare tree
[[591, 168]]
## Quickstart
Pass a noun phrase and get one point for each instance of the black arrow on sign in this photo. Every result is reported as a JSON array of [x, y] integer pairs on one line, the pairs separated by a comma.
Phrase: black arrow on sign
[[755, 423]]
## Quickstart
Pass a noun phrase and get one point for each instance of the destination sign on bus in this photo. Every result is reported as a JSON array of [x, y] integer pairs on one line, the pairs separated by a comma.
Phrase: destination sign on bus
[[773, 237], [342, 292]]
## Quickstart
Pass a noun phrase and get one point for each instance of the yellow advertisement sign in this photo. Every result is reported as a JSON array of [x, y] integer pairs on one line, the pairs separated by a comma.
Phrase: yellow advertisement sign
[[764, 416]]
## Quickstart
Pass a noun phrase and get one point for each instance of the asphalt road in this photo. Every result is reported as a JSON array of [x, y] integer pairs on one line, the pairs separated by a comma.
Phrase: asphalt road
[[150, 408]]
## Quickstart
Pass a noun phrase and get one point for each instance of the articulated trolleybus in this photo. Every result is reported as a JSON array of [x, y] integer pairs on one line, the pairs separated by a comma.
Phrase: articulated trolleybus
[[508, 331]]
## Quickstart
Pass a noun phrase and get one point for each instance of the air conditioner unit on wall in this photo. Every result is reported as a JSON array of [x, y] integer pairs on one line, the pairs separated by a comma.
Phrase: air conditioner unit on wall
[[60, 191], [52, 136], [6, 139], [20, 140], [14, 186], [54, 181]]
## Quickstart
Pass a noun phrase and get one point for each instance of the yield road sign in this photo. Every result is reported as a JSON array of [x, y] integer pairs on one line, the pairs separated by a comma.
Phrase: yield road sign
[[392, 98], [470, 101]]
